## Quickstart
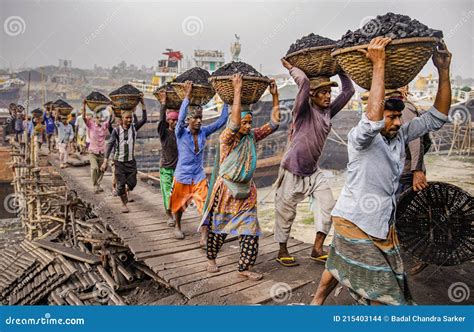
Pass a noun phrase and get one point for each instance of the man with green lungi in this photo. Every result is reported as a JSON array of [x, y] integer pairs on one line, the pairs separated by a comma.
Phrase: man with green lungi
[[365, 252], [169, 151]]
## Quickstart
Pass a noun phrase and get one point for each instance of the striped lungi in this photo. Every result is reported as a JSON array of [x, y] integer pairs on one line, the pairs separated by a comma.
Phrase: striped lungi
[[371, 268]]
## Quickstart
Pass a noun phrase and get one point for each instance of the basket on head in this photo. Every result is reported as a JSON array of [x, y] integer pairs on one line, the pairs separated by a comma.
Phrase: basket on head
[[404, 60], [96, 101], [96, 106], [117, 112], [172, 99], [126, 102], [64, 111], [436, 224], [62, 108], [200, 94], [252, 88], [37, 112], [315, 61]]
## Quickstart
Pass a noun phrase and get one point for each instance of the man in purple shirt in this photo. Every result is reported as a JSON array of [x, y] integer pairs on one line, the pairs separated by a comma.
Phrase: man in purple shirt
[[299, 175]]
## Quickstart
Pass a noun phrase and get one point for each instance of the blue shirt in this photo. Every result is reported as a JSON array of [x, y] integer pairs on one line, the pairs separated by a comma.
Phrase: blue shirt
[[49, 122], [190, 167], [368, 198]]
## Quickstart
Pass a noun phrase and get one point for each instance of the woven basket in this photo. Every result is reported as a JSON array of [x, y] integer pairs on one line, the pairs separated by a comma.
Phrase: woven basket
[[117, 112], [436, 224], [315, 61], [64, 111], [252, 88], [125, 102], [200, 94], [404, 60], [96, 106], [172, 99]]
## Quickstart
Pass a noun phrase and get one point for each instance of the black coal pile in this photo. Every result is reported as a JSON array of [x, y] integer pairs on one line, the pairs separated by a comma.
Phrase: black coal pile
[[390, 25], [127, 89], [196, 75], [37, 111], [61, 104], [235, 67], [310, 40], [167, 87], [97, 96]]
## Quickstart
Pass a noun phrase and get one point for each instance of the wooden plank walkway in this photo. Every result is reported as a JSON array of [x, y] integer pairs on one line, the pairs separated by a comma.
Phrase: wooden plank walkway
[[182, 263]]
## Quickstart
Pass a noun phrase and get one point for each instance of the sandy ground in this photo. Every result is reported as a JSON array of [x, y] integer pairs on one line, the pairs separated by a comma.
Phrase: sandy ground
[[456, 170]]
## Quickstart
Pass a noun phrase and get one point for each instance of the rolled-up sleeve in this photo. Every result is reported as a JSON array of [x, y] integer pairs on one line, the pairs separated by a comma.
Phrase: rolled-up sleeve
[[362, 135], [430, 121]]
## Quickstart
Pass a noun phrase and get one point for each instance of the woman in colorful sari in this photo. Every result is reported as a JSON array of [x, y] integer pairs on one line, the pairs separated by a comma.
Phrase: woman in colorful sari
[[231, 207]]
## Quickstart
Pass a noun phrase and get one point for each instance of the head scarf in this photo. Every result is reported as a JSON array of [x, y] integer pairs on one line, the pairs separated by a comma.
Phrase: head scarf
[[172, 115], [244, 110]]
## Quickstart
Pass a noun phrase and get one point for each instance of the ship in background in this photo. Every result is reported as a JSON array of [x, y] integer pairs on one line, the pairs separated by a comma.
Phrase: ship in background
[[9, 90]]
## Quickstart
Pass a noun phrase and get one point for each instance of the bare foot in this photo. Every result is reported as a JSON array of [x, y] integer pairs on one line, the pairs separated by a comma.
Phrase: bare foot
[[170, 222], [212, 266], [178, 234], [255, 276], [125, 209]]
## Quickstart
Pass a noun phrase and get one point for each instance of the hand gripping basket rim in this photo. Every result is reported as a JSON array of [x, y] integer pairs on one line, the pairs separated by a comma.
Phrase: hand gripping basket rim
[[246, 99], [201, 92], [405, 58], [172, 99], [393, 42]]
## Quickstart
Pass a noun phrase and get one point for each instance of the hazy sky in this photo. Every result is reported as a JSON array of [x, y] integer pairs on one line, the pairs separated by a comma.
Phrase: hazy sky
[[40, 32]]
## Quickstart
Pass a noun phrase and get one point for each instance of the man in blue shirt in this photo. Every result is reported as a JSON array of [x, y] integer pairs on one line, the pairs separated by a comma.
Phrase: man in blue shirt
[[365, 253], [190, 181], [48, 120]]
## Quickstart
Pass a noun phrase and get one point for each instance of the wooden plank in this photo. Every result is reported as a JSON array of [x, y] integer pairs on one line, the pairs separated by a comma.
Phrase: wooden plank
[[68, 252], [183, 262], [181, 259], [226, 264], [226, 256], [208, 282], [161, 252], [278, 277], [221, 295]]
